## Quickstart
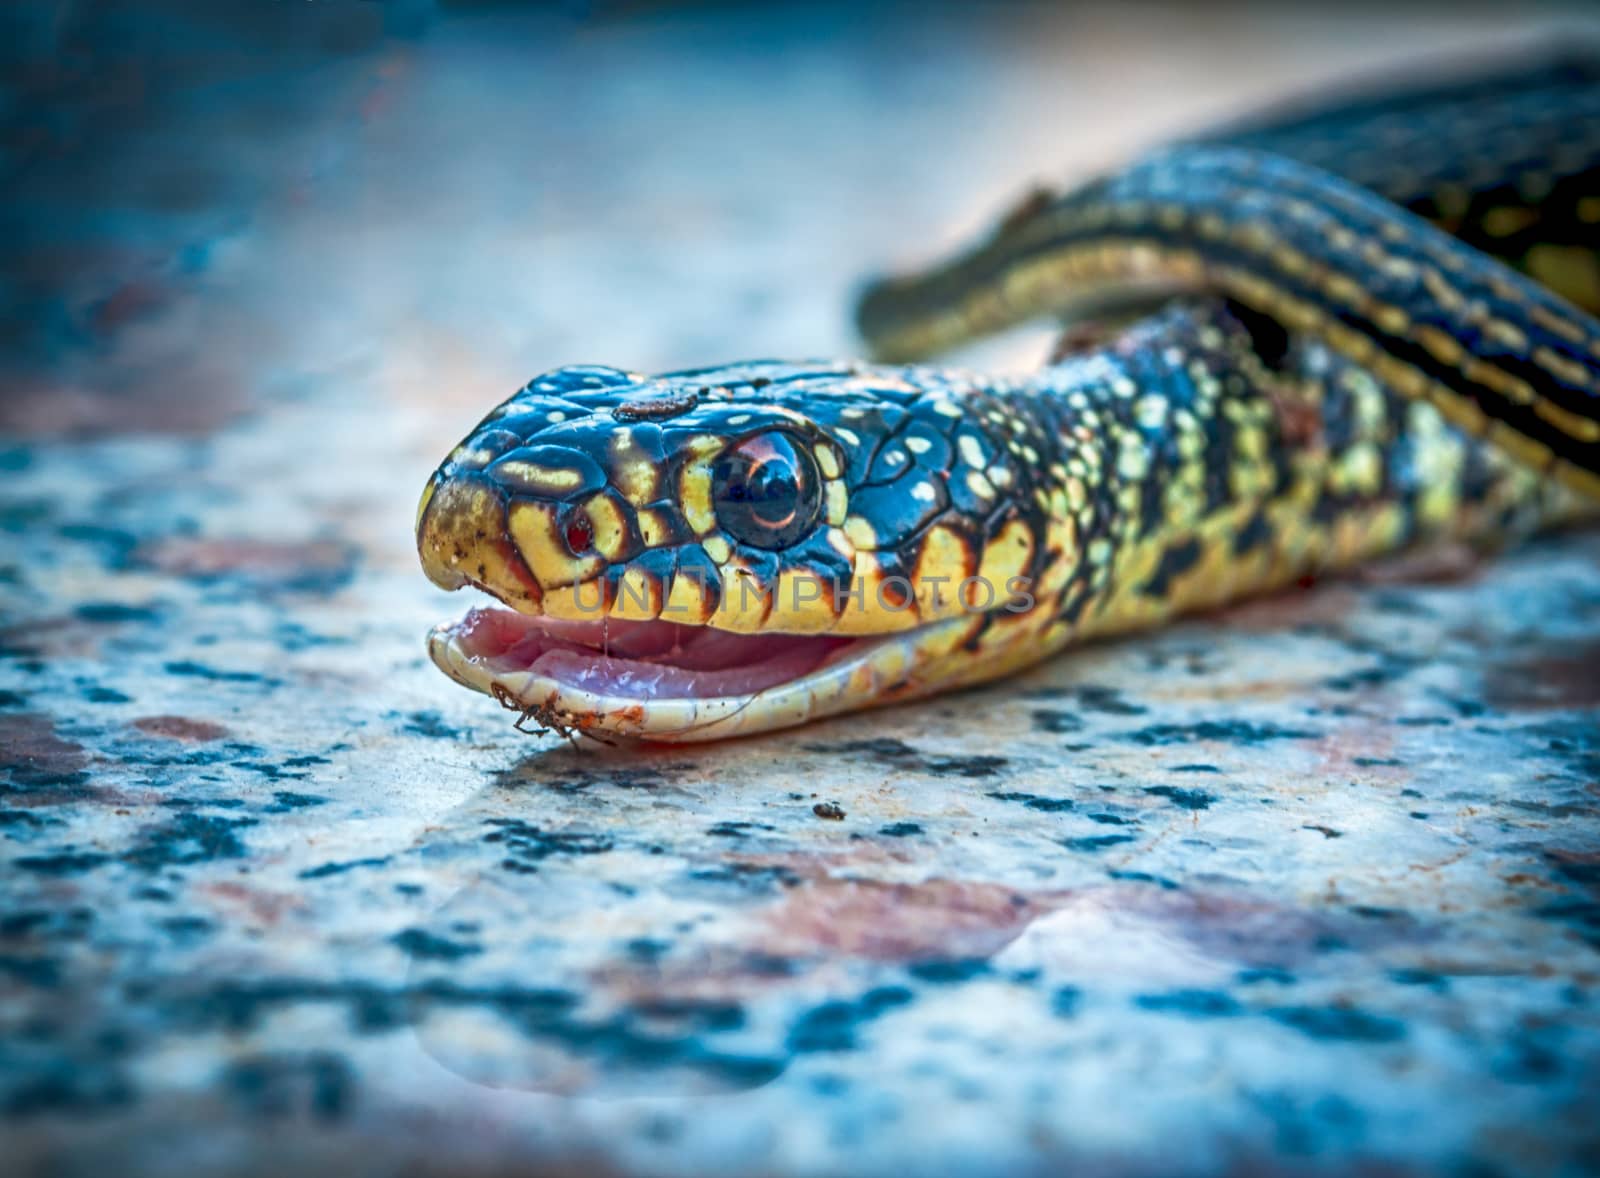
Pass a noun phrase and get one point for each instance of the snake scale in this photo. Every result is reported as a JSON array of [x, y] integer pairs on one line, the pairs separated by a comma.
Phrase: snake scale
[[1314, 338]]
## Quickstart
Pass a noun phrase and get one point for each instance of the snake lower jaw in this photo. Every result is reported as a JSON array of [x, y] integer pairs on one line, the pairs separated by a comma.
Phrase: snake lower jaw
[[662, 681]]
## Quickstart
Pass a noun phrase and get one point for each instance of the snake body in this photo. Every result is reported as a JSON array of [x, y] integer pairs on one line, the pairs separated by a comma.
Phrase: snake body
[[735, 549]]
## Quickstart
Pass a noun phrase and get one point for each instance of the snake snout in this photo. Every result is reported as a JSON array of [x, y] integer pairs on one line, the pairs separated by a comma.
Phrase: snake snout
[[462, 539]]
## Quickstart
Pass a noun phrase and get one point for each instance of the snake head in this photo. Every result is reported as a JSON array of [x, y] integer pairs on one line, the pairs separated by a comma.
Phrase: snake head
[[712, 549]]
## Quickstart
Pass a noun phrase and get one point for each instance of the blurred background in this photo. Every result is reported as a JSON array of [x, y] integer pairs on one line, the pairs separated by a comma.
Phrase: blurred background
[[430, 200]]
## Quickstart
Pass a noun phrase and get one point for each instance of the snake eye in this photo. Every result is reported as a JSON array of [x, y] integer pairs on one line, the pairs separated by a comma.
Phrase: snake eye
[[767, 491]]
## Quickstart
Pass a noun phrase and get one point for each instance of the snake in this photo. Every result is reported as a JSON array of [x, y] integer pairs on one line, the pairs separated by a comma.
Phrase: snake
[[1318, 336]]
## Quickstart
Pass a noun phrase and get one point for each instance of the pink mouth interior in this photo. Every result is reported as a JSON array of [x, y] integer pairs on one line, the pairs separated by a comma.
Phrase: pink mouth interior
[[640, 660]]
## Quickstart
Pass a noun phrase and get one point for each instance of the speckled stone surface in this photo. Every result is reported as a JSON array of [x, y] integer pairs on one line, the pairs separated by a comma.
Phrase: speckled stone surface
[[1313, 886]]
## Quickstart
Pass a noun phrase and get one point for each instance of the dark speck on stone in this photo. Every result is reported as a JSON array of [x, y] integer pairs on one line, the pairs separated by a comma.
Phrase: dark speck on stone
[[188, 838], [57, 1082], [1265, 973], [737, 829], [1236, 732], [1065, 1001], [646, 949], [186, 929], [832, 1026], [528, 844], [1055, 721], [1340, 1022], [1197, 767], [114, 612], [881, 748], [1106, 700], [431, 725], [1033, 801], [40, 972], [974, 766], [1187, 799], [1107, 819], [62, 862], [424, 946], [277, 1085], [1193, 1003], [1095, 842], [1144, 877], [201, 671], [1578, 869], [829, 810], [1419, 977], [1325, 831], [948, 971], [285, 800], [328, 869], [900, 830], [271, 771]]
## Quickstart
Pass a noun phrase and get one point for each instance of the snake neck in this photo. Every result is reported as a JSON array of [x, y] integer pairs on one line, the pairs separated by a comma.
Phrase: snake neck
[[1193, 460]]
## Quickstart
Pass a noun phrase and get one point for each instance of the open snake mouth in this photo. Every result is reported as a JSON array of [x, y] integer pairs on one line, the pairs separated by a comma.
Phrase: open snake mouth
[[634, 659], [660, 680]]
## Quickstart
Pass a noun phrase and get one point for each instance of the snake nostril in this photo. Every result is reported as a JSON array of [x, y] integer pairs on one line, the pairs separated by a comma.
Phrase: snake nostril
[[580, 536]]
